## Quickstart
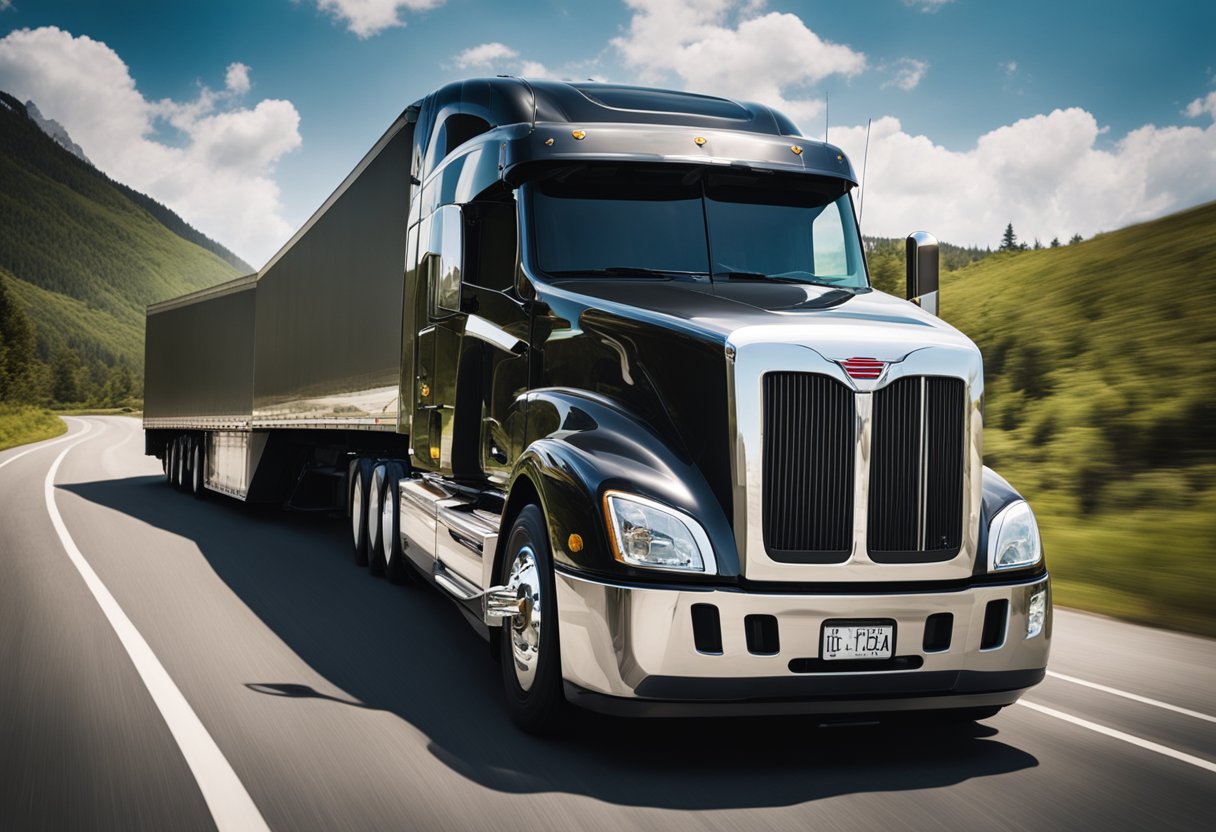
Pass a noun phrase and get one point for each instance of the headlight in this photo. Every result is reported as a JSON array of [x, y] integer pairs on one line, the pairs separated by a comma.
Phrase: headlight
[[647, 533], [1013, 538]]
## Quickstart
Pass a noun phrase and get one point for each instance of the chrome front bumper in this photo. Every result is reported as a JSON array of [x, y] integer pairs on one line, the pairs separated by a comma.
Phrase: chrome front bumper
[[630, 649]]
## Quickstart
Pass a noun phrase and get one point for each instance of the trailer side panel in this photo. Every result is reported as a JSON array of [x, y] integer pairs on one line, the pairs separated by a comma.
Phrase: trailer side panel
[[328, 322], [199, 359]]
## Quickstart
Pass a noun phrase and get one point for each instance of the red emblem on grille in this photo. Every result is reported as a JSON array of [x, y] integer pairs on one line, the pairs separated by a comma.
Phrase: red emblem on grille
[[863, 367]]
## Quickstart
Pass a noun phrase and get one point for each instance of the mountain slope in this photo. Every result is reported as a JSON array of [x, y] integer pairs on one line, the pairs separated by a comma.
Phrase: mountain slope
[[84, 255], [1100, 370]]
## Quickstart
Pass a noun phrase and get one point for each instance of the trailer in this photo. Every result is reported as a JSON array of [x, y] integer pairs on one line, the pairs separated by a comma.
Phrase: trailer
[[603, 365]]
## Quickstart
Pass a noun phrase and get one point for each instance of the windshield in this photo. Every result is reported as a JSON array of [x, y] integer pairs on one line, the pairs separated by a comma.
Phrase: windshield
[[693, 223]]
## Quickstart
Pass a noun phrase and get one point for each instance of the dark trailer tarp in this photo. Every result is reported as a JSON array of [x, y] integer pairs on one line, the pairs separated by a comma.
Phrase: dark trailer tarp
[[198, 358]]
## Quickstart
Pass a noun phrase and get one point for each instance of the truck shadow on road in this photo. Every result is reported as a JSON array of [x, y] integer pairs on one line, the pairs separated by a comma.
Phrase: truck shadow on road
[[408, 651]]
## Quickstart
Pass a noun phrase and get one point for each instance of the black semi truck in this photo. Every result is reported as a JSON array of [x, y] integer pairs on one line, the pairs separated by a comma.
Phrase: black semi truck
[[604, 366]]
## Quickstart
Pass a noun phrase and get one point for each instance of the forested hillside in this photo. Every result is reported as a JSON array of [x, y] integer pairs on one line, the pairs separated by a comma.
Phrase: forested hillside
[[1100, 370], [80, 258]]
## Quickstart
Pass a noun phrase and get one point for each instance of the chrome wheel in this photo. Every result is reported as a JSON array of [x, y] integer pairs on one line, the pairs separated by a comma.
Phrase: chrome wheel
[[196, 470], [386, 526], [525, 626], [356, 509], [373, 510]]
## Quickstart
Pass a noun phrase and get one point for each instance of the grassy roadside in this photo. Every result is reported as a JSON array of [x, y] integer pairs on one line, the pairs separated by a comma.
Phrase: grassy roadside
[[22, 424], [1100, 381]]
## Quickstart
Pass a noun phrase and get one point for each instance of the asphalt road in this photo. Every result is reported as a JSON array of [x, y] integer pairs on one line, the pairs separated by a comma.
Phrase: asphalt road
[[323, 699]]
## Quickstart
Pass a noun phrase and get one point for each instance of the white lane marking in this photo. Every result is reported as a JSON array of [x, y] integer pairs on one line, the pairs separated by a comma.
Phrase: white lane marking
[[231, 806], [1135, 697], [1199, 762], [46, 444]]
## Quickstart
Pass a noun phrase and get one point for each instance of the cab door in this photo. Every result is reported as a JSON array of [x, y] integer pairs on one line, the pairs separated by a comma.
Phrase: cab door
[[440, 324]]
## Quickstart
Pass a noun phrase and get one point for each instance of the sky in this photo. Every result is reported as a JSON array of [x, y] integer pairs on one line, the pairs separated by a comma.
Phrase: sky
[[1062, 118]]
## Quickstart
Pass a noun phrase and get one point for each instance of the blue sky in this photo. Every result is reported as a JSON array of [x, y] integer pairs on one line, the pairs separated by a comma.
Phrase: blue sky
[[1035, 111]]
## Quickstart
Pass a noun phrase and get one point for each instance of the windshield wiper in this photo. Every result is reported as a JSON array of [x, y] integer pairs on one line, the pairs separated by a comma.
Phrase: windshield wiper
[[626, 271], [759, 277]]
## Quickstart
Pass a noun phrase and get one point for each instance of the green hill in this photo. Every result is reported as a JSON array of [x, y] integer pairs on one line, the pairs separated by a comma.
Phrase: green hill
[[1100, 370], [83, 255]]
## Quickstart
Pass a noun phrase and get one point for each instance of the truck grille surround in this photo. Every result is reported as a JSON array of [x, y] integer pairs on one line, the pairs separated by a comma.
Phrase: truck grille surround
[[915, 469]]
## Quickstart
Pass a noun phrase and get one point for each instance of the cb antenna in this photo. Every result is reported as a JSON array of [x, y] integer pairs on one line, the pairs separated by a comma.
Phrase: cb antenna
[[861, 209]]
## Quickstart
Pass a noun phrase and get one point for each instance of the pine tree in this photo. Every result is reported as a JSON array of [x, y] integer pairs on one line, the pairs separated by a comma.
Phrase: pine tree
[[1076, 238], [17, 358], [1009, 241], [1055, 242]]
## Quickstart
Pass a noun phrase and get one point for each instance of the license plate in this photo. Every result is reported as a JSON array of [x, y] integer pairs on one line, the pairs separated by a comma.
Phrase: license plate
[[857, 640]]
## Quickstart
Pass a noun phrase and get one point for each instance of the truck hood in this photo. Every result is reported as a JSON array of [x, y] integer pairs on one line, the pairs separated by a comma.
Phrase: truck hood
[[715, 311]]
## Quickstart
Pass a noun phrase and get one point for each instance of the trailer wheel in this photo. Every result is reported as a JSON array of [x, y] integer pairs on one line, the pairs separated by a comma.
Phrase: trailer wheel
[[358, 509], [198, 470], [531, 655], [179, 459], [389, 551]]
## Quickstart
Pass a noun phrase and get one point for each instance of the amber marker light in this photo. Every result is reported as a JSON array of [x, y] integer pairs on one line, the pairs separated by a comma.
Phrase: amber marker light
[[549, 142], [796, 149], [575, 543], [699, 141], [579, 134]]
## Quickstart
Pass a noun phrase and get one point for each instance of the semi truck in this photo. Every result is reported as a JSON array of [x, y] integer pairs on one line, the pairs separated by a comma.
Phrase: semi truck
[[603, 365]]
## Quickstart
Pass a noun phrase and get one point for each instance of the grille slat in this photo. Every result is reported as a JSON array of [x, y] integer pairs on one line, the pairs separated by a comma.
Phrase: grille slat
[[898, 531], [808, 468]]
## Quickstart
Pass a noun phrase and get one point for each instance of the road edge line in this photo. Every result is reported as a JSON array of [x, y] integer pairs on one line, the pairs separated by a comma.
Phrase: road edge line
[[1114, 733], [46, 443], [232, 809], [1135, 697]]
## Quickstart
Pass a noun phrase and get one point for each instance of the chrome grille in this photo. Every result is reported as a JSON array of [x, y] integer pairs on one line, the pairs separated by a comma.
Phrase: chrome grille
[[809, 425], [916, 470]]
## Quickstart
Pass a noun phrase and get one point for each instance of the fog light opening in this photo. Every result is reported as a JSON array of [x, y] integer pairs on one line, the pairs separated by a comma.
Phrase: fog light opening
[[1036, 612]]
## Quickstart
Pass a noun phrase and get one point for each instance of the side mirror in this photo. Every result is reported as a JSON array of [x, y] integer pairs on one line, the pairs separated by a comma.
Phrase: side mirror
[[447, 247], [922, 271]]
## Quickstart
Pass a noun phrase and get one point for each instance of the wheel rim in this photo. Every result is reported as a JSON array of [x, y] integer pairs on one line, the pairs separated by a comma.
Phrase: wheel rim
[[386, 526], [525, 627], [373, 512], [356, 509]]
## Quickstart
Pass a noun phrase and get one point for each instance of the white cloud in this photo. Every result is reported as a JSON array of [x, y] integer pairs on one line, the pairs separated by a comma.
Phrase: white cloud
[[5, 5], [1202, 105], [219, 178], [927, 6], [236, 79], [370, 17], [498, 56], [769, 58], [907, 73], [1009, 67], [534, 69], [1046, 174], [484, 55]]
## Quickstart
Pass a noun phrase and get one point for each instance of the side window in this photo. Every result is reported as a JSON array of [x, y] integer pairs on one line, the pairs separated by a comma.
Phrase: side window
[[492, 244], [827, 234]]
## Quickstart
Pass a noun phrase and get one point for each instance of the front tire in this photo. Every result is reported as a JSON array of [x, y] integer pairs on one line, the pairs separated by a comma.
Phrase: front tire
[[531, 655]]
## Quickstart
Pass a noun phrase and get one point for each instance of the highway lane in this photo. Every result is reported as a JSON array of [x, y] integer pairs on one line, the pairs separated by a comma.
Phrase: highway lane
[[342, 702]]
